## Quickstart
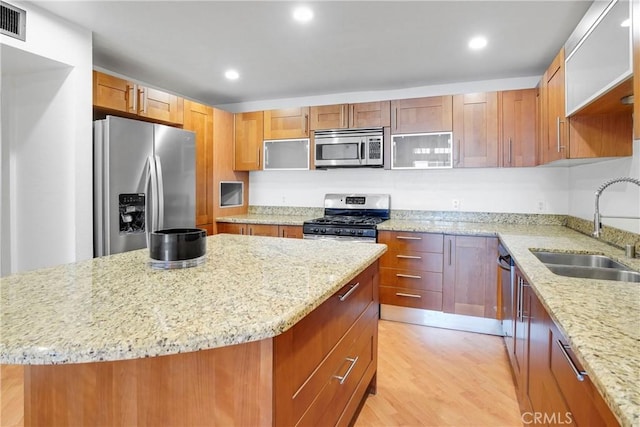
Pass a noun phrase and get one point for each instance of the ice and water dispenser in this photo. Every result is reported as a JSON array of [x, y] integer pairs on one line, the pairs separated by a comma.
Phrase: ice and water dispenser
[[132, 210]]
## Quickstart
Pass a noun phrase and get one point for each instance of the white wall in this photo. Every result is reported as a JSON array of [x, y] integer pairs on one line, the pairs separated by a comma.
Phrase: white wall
[[621, 199], [519, 190], [46, 144]]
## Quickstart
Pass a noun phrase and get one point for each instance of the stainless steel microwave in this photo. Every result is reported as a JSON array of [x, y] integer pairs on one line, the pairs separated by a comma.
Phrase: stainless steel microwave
[[349, 148]]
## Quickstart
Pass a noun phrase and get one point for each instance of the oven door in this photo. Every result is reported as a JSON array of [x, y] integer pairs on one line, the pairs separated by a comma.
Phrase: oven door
[[340, 152]]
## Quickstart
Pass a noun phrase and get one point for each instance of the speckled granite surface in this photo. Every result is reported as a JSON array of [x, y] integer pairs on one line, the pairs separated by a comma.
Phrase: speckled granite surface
[[600, 318], [483, 217], [117, 307], [615, 236], [256, 218]]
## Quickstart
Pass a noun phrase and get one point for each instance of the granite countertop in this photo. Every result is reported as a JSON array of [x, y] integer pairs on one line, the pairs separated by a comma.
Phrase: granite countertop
[[117, 307], [600, 318]]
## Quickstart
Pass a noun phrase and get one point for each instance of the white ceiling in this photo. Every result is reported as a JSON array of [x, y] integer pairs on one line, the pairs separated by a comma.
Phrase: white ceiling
[[185, 47]]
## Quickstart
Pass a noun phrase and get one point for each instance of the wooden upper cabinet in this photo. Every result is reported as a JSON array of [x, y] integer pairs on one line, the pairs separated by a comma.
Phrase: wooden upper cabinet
[[342, 116], [113, 93], [518, 128], [470, 282], [556, 137], [119, 95], [475, 130], [286, 123], [249, 131], [159, 105], [432, 114], [370, 114], [329, 117], [198, 118], [636, 68]]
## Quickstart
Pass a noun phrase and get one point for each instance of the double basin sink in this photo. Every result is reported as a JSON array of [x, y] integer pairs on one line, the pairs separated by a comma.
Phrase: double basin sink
[[587, 266]]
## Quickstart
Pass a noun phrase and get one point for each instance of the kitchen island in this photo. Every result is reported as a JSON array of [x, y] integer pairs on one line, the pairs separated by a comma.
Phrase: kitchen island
[[111, 341]]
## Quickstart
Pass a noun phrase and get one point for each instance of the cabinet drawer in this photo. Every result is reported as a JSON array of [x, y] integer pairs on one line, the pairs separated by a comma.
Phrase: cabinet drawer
[[584, 401], [428, 300], [417, 242], [335, 381], [411, 279], [408, 260]]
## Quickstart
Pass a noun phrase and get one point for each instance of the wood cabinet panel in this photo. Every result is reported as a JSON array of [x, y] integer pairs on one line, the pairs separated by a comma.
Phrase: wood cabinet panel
[[305, 378], [370, 114], [409, 260], [231, 228], [198, 118], [556, 137], [286, 123], [329, 117], [604, 135], [290, 231], [413, 298], [113, 93], [158, 105], [249, 129], [411, 279], [518, 138], [475, 130], [406, 241], [431, 114], [470, 276], [635, 11]]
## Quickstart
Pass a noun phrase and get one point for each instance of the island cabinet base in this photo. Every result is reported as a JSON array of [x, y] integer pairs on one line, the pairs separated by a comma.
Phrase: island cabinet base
[[315, 373]]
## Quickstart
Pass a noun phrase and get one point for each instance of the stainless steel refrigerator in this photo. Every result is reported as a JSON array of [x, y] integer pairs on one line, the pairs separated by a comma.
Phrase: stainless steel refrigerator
[[144, 180]]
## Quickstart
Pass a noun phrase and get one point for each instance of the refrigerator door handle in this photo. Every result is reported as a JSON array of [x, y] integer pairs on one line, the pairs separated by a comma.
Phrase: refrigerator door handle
[[160, 194], [151, 189]]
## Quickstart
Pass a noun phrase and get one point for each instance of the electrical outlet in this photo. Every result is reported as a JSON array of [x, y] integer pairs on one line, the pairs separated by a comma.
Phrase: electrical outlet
[[455, 204], [541, 206]]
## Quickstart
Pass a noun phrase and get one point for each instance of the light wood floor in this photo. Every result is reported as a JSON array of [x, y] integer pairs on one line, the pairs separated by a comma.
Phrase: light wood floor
[[426, 377], [439, 377]]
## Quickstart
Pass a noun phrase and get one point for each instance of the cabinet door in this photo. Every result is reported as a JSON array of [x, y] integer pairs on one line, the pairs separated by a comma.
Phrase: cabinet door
[[262, 230], [248, 141], [329, 117], [286, 123], [470, 284], [199, 119], [518, 128], [113, 93], [431, 114], [158, 105], [290, 231], [635, 11], [286, 154], [370, 114], [556, 138], [475, 130], [231, 228], [520, 360]]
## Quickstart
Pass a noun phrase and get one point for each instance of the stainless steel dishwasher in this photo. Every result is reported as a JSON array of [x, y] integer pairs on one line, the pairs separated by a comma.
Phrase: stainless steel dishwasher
[[507, 283]]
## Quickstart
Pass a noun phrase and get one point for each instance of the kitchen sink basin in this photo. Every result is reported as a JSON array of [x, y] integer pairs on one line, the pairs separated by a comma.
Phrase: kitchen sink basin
[[587, 266], [574, 259], [595, 273]]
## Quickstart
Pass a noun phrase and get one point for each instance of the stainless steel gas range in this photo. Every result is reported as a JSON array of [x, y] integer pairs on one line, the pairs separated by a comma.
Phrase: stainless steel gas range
[[349, 217]]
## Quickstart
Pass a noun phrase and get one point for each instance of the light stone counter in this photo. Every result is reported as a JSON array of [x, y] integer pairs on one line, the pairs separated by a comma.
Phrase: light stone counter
[[117, 307], [252, 218]]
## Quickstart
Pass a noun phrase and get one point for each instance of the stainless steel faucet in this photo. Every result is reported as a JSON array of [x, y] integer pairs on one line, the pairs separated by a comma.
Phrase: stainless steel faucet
[[597, 225]]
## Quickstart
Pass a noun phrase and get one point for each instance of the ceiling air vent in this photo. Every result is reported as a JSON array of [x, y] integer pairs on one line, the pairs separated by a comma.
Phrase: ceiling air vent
[[12, 21]]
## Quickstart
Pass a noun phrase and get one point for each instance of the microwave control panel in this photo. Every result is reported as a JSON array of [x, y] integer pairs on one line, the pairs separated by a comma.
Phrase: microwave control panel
[[375, 148]]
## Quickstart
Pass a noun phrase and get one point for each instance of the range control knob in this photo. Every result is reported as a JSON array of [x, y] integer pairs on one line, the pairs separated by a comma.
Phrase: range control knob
[[324, 230], [353, 231], [315, 230], [360, 232], [338, 231]]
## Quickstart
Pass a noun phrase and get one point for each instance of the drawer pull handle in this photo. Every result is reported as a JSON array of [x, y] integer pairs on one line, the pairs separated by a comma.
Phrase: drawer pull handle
[[408, 257], [349, 292], [408, 276], [408, 238], [563, 348], [346, 374], [402, 294]]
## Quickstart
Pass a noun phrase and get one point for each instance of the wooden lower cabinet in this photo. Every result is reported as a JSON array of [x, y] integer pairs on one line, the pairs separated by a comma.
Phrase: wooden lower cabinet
[[316, 373], [271, 230], [548, 389], [411, 270], [470, 281]]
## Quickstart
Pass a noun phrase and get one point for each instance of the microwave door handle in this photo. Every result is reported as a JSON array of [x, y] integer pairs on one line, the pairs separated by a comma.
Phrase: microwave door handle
[[361, 151]]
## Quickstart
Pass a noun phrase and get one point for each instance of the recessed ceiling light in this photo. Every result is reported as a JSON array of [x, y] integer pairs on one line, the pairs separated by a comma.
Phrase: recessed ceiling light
[[477, 43], [302, 14], [626, 23], [231, 74]]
